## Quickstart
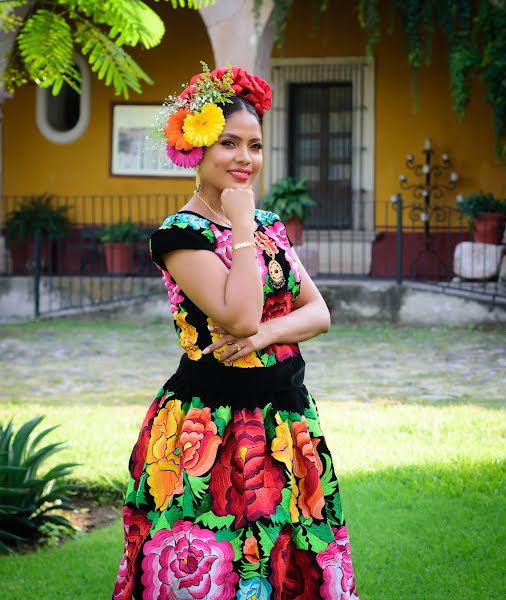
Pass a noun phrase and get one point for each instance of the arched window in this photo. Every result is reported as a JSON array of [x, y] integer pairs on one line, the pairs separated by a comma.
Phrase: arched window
[[64, 118]]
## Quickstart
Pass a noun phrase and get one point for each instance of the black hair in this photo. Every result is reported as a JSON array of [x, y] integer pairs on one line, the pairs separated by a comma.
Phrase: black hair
[[239, 103]]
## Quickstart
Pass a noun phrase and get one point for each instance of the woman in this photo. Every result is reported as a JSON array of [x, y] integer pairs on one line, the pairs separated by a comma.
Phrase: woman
[[232, 491]]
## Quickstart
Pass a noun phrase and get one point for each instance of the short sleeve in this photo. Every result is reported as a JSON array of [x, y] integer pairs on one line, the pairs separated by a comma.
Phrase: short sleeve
[[176, 237]]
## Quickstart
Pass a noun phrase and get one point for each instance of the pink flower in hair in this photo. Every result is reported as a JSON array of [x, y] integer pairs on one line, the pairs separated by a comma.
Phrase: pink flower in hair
[[188, 159]]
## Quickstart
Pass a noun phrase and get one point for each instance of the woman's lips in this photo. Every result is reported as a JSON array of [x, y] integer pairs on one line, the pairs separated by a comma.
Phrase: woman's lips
[[239, 175]]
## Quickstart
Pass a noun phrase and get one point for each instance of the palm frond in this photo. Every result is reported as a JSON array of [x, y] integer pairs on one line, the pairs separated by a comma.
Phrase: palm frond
[[131, 21], [46, 47], [110, 61]]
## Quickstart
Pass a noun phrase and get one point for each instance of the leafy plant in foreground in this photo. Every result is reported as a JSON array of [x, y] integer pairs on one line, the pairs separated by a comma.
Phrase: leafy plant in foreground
[[27, 499]]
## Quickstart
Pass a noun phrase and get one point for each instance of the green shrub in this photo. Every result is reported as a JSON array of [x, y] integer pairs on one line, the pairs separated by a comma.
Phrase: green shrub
[[37, 212], [28, 500], [124, 231], [473, 205], [288, 198]]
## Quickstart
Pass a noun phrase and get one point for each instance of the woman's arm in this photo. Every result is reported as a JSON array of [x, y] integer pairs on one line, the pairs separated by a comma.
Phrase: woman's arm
[[309, 318], [232, 297]]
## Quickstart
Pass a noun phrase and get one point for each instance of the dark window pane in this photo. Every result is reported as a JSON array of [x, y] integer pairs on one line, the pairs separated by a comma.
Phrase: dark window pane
[[63, 110], [320, 137]]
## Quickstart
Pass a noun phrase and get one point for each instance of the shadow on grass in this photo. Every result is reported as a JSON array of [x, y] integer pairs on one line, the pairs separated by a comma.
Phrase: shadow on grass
[[418, 532]]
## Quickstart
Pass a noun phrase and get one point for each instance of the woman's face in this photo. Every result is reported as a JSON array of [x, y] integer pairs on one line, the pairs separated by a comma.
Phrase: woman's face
[[236, 157]]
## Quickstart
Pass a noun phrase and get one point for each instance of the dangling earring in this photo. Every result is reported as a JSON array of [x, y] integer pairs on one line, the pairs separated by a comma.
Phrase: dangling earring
[[197, 181]]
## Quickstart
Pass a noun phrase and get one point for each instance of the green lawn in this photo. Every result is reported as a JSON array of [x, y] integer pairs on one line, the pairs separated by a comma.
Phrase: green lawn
[[422, 482]]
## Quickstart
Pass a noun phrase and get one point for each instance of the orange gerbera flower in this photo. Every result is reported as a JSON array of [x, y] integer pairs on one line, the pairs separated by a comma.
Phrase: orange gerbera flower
[[174, 130]]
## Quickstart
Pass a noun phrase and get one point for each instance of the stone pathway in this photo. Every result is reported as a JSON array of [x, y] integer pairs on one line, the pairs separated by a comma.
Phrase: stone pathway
[[109, 362]]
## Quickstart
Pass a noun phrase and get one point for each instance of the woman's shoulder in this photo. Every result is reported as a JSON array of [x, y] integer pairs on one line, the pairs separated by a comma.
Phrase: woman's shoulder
[[184, 220]]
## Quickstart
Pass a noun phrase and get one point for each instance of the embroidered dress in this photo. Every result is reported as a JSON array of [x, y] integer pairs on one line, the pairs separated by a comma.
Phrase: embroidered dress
[[232, 490]]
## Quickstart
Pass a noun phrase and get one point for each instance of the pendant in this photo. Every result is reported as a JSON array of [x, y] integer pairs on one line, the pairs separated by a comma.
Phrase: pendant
[[276, 274]]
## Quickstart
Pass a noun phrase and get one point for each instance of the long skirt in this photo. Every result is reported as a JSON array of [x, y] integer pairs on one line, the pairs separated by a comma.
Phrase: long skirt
[[233, 493]]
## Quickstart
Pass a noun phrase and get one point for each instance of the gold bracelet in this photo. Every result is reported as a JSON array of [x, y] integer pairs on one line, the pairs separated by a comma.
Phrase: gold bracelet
[[243, 245]]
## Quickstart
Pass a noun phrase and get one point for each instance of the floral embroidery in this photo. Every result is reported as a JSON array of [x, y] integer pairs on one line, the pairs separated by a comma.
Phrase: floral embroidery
[[245, 482], [163, 461], [307, 465], [199, 442], [136, 527], [187, 336], [338, 577], [254, 589], [293, 572], [188, 563]]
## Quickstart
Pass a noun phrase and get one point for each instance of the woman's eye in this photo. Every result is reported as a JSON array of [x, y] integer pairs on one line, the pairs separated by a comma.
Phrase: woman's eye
[[257, 146], [226, 142]]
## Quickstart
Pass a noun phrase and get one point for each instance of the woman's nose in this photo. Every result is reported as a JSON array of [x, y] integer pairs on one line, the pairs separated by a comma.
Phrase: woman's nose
[[243, 154]]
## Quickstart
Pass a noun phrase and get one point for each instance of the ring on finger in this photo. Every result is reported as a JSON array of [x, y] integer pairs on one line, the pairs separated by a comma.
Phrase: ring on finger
[[238, 347]]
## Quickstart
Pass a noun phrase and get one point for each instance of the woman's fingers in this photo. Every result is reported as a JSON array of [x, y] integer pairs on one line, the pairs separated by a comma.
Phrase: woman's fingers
[[217, 329], [226, 339]]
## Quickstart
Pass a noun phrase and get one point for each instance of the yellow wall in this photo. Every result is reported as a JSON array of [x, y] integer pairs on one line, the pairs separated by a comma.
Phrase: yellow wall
[[32, 164], [399, 129]]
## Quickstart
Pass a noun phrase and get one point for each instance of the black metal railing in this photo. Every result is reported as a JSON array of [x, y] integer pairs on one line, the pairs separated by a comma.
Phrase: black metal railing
[[74, 265]]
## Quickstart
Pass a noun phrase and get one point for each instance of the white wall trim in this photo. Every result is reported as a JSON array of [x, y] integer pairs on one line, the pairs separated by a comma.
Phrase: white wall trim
[[66, 137]]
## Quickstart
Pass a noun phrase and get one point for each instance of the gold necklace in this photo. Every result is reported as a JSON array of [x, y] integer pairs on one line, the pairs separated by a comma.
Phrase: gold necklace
[[222, 219]]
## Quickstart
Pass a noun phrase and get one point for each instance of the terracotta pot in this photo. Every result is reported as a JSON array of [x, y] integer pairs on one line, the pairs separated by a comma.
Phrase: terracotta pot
[[295, 230], [119, 257], [489, 228], [22, 256]]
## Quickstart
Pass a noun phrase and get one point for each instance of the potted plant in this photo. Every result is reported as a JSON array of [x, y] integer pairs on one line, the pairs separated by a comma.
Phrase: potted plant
[[118, 239], [289, 198], [486, 214], [35, 213]]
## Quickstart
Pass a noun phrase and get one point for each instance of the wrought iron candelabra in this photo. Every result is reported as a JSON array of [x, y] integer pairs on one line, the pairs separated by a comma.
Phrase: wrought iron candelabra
[[428, 189]]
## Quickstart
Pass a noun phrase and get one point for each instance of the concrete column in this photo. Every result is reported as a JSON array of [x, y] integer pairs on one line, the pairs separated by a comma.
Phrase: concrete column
[[236, 38]]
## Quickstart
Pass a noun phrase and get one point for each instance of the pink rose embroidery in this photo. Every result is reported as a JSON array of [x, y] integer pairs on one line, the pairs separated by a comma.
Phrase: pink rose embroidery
[[277, 232], [338, 577], [261, 264], [223, 244], [175, 298], [187, 563], [136, 528]]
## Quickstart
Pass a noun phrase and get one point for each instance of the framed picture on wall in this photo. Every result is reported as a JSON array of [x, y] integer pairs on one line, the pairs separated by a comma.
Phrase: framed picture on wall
[[132, 152]]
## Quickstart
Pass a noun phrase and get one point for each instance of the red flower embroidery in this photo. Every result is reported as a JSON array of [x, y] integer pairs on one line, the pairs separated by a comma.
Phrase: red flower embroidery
[[278, 305], [294, 575], [138, 456], [136, 526], [199, 442], [308, 466], [245, 481]]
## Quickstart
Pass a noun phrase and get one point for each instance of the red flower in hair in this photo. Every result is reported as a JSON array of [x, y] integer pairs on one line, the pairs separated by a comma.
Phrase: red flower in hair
[[251, 87]]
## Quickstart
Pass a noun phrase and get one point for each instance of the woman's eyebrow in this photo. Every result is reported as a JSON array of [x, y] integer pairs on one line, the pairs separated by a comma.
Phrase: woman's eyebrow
[[238, 137]]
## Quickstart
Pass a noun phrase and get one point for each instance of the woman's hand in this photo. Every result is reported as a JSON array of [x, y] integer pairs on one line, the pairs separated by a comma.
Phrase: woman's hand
[[238, 204], [249, 344]]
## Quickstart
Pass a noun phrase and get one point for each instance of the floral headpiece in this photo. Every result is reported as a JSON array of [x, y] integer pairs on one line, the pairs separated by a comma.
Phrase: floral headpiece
[[194, 119]]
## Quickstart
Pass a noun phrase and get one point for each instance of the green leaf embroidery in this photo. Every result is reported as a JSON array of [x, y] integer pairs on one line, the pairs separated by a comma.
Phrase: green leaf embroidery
[[271, 360], [130, 493], [327, 480], [181, 224], [300, 539], [223, 412], [291, 280], [267, 537], [197, 402], [319, 536], [188, 498], [266, 409], [282, 514], [289, 416], [264, 358], [209, 235], [141, 499], [220, 426], [295, 290], [153, 516], [209, 519], [237, 545], [199, 485]]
